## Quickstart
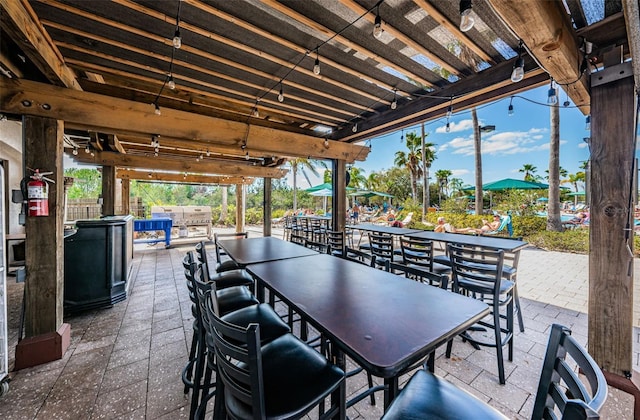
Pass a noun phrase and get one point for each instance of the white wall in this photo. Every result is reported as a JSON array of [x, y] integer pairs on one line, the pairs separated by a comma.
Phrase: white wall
[[11, 150]]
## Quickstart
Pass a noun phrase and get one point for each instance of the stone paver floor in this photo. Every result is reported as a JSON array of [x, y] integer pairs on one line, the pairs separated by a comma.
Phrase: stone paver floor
[[125, 362]]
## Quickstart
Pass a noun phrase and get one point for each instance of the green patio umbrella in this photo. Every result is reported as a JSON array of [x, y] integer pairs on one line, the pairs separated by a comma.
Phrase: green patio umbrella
[[510, 184], [325, 186], [369, 194], [576, 194]]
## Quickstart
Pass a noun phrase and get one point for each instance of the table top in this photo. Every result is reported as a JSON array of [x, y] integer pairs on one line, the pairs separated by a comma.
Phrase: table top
[[370, 227], [384, 321], [255, 250], [508, 245]]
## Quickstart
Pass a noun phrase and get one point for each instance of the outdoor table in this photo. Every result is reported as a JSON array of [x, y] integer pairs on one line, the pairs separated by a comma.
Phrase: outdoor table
[[383, 321], [255, 250], [483, 241], [371, 227]]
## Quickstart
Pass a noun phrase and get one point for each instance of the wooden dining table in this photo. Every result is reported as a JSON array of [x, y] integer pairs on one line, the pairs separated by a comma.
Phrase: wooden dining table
[[256, 250], [385, 322]]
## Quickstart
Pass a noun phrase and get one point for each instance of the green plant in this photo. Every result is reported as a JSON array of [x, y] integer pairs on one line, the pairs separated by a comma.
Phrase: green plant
[[576, 240]]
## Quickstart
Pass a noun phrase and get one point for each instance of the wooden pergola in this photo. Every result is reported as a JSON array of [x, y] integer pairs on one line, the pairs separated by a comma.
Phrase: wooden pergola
[[259, 82]]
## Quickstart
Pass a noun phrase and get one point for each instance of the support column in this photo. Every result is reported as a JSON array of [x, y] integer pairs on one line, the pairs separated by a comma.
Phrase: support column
[[108, 190], [266, 205], [240, 204], [125, 191], [613, 116], [47, 337], [339, 196]]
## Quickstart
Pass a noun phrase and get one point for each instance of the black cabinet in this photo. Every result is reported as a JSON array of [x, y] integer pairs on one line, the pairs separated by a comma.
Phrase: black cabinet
[[97, 259]]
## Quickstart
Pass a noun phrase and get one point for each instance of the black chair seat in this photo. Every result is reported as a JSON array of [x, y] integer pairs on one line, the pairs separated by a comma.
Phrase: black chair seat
[[479, 287], [234, 298], [271, 325], [294, 375], [226, 265], [441, 268], [428, 397], [442, 259], [232, 278]]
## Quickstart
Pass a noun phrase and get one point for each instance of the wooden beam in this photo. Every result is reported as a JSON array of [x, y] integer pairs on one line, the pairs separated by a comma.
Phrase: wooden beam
[[631, 11], [186, 178], [546, 31], [108, 190], [114, 144], [19, 20], [91, 111], [166, 164]]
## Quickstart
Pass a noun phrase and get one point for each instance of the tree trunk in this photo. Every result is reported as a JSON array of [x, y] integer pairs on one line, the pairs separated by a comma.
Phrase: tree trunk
[[225, 204], [553, 207], [425, 179], [294, 170], [478, 152]]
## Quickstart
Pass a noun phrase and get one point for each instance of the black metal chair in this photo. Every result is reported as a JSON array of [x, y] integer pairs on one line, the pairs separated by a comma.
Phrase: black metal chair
[[223, 262], [284, 379], [381, 248], [336, 242], [478, 273], [562, 394], [420, 274], [419, 252], [228, 278]]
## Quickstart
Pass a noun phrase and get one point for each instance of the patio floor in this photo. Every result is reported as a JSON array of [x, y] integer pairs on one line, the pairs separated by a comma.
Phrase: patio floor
[[125, 362]]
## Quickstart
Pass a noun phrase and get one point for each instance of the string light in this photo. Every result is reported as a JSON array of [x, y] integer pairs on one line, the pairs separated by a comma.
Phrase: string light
[[87, 149], [326, 143], [518, 66], [552, 97], [587, 123], [447, 127], [450, 109], [246, 155], [171, 83], [316, 66], [377, 26], [466, 18], [201, 156], [402, 135], [394, 103], [75, 151], [208, 153], [281, 95], [355, 128], [177, 39], [511, 107], [157, 109]]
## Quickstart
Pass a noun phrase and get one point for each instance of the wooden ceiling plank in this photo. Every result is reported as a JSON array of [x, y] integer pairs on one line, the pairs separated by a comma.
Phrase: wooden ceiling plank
[[454, 29], [291, 45], [115, 115], [185, 178], [577, 14], [287, 11], [546, 31], [166, 164], [21, 23]]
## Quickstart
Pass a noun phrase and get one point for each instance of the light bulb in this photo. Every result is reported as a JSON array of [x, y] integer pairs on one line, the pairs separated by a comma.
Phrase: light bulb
[[201, 157], [449, 111], [552, 98], [394, 104], [255, 113], [377, 27], [518, 70], [177, 39], [87, 149], [157, 110], [155, 153], [246, 156], [208, 153], [316, 67], [326, 144], [466, 19], [355, 127], [171, 83], [281, 95], [510, 110], [448, 127], [75, 151], [587, 123]]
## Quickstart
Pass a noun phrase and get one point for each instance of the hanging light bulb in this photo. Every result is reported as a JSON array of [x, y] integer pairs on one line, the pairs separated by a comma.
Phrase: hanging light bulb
[[518, 66], [155, 153], [171, 83], [552, 97], [377, 26], [149, 175], [402, 135], [177, 39], [87, 149], [449, 111], [316, 67], [281, 95], [246, 156], [466, 18], [354, 128], [448, 127], [587, 123], [75, 151], [157, 109], [511, 107], [208, 153], [201, 156], [255, 113], [326, 143], [394, 103]]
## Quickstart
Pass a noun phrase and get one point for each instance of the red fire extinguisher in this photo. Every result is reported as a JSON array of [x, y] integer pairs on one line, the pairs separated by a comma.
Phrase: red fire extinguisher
[[38, 194]]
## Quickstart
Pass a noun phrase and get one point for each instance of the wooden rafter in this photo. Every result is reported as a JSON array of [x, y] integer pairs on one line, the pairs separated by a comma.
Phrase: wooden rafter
[[546, 31], [185, 178], [20, 21], [85, 110], [166, 164]]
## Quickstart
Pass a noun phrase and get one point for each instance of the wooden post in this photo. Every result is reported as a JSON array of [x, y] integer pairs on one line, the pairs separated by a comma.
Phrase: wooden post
[[613, 116], [47, 337], [339, 198], [266, 205], [108, 190], [240, 200], [125, 191]]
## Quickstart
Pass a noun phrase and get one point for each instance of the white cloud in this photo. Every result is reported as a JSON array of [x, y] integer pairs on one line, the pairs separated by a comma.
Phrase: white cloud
[[459, 172], [502, 143], [582, 145], [454, 127]]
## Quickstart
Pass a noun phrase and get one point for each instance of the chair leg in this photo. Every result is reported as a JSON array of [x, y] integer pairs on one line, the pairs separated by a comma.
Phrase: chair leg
[[510, 327], [518, 308], [197, 377], [187, 372]]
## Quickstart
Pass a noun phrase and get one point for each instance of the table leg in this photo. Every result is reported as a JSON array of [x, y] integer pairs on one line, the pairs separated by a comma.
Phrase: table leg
[[339, 396], [390, 391]]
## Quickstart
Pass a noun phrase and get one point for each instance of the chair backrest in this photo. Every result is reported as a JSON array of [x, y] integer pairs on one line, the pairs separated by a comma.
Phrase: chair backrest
[[239, 361], [561, 391], [298, 237], [381, 245], [505, 222], [234, 235], [201, 254], [417, 252], [476, 270], [407, 218], [321, 247], [420, 274], [336, 242], [359, 256]]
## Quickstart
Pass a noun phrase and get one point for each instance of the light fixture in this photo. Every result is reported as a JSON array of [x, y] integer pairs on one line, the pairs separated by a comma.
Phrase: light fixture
[[177, 39], [447, 127], [155, 153], [326, 143], [354, 128], [316, 65], [281, 95], [587, 123], [75, 151], [246, 155], [377, 26], [149, 175], [255, 113], [208, 153], [518, 66], [171, 83], [402, 135], [466, 18], [157, 109], [87, 149], [394, 103], [511, 107], [201, 156], [552, 97], [449, 111]]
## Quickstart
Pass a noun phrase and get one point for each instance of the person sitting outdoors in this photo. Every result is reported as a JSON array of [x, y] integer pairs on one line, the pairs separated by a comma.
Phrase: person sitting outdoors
[[444, 227], [490, 226]]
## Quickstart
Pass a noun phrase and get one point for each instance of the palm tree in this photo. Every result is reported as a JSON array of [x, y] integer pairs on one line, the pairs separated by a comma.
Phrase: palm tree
[[529, 171], [412, 160], [561, 171], [554, 222], [573, 179], [477, 146], [302, 164], [372, 182], [455, 184], [442, 176]]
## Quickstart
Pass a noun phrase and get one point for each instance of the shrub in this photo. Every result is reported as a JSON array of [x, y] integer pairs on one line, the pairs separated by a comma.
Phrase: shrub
[[576, 240]]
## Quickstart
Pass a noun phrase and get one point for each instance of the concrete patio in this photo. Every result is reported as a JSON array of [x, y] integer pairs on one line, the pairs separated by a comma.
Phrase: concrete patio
[[125, 362]]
